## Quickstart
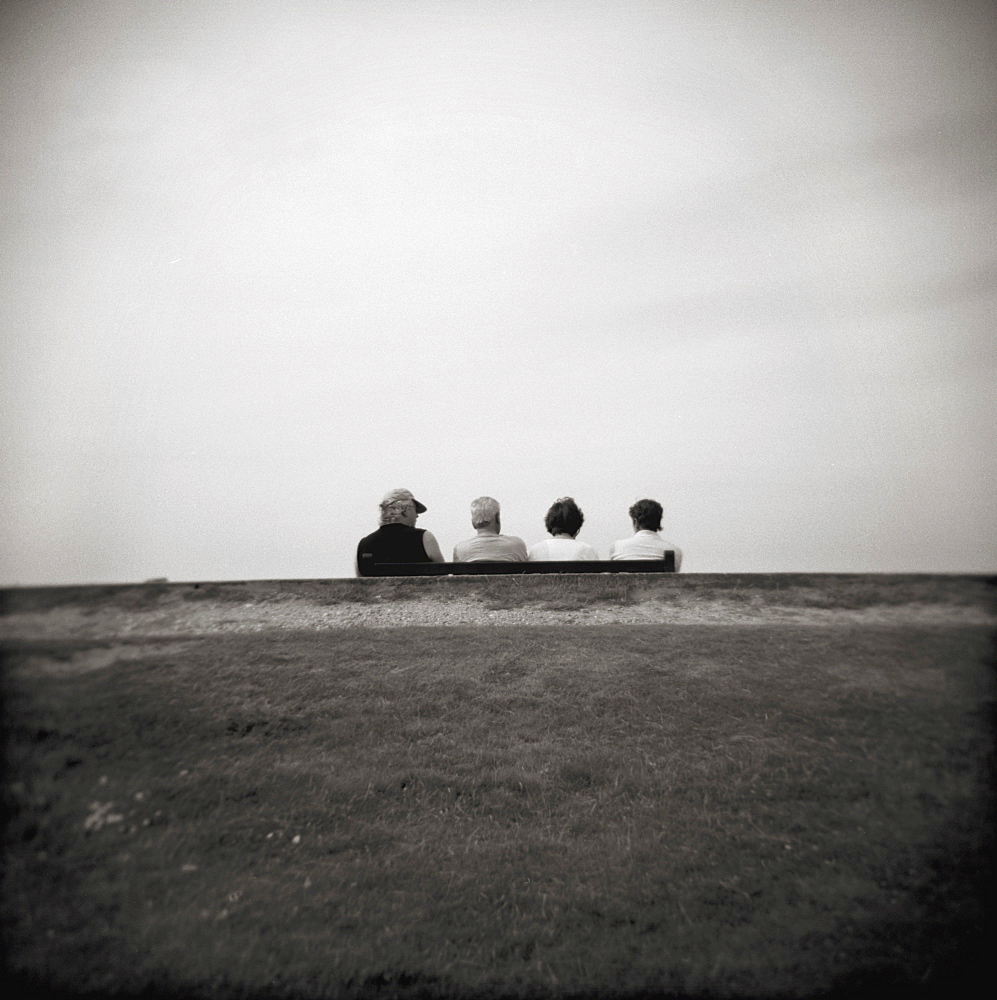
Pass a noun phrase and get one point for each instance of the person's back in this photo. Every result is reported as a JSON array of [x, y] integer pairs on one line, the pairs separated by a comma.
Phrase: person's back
[[645, 543], [394, 543], [490, 548], [489, 544], [562, 550]]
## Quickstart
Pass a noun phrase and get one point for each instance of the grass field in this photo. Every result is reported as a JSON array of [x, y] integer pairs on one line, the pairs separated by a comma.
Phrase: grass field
[[706, 810]]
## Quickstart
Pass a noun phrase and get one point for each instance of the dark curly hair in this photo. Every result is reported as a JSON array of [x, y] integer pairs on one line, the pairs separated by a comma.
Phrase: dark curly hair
[[564, 516], [647, 514]]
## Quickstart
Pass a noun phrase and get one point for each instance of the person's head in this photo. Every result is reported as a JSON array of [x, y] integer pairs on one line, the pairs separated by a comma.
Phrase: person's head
[[646, 515], [564, 517], [485, 514], [400, 507]]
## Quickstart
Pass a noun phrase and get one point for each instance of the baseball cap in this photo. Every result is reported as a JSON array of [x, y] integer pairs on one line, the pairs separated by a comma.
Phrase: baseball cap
[[396, 496]]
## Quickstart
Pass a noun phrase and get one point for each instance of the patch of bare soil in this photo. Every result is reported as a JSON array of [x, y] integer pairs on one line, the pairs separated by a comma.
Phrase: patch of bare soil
[[70, 660]]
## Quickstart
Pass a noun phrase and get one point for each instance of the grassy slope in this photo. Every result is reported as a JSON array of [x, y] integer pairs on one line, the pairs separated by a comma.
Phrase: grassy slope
[[704, 809]]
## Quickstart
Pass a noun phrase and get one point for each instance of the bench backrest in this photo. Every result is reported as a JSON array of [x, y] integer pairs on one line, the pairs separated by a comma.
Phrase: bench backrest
[[368, 567]]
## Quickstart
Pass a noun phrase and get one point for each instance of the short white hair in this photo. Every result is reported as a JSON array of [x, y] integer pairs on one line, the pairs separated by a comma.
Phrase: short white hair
[[484, 511]]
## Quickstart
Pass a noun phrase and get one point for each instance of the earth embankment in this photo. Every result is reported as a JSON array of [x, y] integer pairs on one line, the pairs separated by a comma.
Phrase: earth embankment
[[170, 609]]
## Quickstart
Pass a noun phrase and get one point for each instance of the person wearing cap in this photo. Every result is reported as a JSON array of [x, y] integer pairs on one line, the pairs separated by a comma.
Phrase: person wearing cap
[[564, 520], [645, 542], [489, 544], [397, 539]]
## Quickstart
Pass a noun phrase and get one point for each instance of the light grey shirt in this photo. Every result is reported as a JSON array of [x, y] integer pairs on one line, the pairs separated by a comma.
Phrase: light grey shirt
[[490, 548]]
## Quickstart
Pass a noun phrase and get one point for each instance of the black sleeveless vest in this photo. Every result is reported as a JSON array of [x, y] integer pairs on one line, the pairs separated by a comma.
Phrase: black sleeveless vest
[[394, 543]]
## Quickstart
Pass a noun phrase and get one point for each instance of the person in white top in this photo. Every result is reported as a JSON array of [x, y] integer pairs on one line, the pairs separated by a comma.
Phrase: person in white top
[[489, 544], [564, 520], [645, 542]]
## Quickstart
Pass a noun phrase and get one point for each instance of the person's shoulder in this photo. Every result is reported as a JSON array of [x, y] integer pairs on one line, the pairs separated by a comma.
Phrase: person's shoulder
[[366, 540], [589, 552]]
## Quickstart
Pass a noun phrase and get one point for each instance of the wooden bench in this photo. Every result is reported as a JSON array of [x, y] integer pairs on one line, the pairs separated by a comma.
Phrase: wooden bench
[[368, 567]]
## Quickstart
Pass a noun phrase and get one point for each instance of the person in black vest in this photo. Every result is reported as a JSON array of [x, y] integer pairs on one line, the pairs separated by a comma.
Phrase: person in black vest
[[398, 539]]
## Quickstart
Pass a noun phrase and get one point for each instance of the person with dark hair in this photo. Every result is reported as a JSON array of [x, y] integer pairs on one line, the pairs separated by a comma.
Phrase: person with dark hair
[[564, 520], [397, 539], [489, 544], [645, 542]]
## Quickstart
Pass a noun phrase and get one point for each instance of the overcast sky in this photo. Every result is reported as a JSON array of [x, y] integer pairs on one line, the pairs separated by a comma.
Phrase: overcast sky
[[263, 262]]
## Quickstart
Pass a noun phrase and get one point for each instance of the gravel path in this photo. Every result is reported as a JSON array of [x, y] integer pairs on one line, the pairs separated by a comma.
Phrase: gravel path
[[173, 617]]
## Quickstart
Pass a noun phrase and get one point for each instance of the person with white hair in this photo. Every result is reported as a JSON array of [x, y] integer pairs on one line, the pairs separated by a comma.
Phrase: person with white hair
[[397, 539], [489, 544]]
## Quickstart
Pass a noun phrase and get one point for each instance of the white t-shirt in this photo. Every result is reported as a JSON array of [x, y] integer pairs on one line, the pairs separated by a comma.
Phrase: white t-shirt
[[644, 544], [562, 550]]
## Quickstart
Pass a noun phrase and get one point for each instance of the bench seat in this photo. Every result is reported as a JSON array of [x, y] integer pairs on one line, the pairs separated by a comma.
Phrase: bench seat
[[369, 568]]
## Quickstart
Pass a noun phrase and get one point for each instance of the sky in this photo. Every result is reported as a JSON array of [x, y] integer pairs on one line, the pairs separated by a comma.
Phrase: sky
[[264, 261]]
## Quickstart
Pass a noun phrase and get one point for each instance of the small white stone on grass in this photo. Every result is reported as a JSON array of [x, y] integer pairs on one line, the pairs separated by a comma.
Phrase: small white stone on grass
[[101, 815]]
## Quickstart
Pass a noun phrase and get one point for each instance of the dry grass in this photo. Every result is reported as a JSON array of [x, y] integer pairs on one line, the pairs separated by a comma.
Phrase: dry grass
[[790, 590]]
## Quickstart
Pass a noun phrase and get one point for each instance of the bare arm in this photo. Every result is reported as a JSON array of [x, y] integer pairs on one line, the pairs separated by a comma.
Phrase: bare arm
[[432, 547]]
